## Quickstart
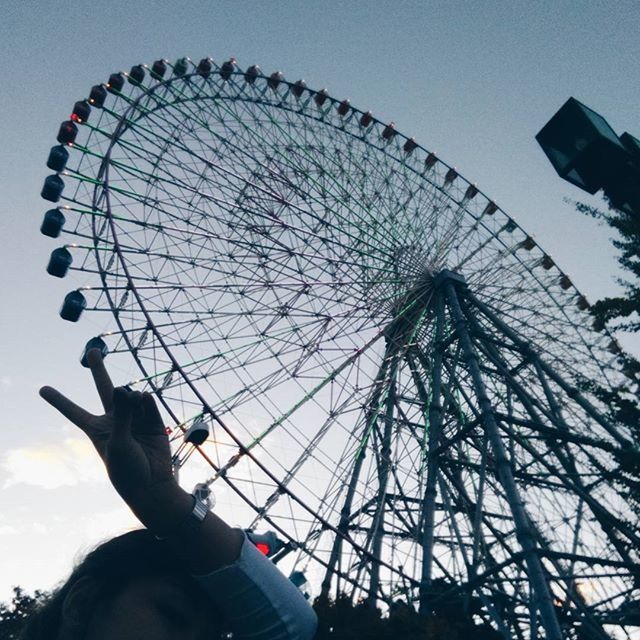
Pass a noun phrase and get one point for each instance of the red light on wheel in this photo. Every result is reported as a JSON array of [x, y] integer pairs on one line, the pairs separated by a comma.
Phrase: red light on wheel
[[267, 543]]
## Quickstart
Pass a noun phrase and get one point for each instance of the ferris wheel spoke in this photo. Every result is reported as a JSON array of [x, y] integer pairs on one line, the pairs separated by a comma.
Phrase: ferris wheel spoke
[[310, 394], [474, 254], [285, 159], [569, 348], [571, 391], [329, 377], [268, 217], [262, 167], [290, 145], [309, 450], [482, 307], [128, 171]]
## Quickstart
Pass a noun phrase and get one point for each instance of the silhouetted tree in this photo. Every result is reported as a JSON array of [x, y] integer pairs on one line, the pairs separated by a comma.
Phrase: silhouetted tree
[[15, 613], [624, 308], [622, 313], [343, 620]]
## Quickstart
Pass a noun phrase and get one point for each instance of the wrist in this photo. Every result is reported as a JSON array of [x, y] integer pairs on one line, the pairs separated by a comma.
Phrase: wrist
[[160, 508], [185, 526]]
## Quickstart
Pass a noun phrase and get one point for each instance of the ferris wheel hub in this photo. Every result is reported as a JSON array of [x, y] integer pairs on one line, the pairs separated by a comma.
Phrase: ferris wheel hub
[[440, 278]]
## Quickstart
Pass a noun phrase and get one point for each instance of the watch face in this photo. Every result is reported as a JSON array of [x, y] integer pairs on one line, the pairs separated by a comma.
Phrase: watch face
[[200, 510]]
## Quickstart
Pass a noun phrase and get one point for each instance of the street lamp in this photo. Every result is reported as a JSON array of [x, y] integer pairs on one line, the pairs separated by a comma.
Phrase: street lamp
[[585, 150]]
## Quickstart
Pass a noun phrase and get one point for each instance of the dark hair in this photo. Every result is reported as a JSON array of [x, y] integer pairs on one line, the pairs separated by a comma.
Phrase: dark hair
[[111, 567]]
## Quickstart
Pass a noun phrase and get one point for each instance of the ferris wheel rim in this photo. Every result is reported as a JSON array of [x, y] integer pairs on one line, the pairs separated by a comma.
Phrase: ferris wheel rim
[[153, 325]]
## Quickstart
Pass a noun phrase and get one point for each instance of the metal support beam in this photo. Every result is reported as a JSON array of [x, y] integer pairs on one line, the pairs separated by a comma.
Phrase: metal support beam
[[543, 600], [345, 512], [571, 391], [435, 428], [573, 480], [377, 526]]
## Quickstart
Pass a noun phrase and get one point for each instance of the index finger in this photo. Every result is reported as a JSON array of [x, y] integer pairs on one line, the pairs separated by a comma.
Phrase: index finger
[[101, 378], [66, 407]]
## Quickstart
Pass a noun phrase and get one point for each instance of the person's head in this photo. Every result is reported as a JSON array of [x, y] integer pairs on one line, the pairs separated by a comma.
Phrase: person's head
[[129, 588]]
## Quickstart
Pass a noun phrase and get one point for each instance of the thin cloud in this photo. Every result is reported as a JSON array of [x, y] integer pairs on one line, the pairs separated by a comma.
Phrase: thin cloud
[[72, 462], [7, 530]]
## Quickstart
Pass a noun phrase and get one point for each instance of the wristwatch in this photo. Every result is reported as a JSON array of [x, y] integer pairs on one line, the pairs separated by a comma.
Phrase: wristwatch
[[198, 513]]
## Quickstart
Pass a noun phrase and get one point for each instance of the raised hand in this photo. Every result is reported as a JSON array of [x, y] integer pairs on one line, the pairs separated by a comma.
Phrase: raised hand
[[131, 440]]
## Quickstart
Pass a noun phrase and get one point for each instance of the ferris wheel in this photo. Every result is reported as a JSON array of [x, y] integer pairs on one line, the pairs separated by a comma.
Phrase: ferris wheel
[[398, 380]]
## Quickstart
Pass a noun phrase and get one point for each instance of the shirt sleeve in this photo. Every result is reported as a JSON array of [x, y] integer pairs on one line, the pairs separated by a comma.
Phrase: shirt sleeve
[[259, 602]]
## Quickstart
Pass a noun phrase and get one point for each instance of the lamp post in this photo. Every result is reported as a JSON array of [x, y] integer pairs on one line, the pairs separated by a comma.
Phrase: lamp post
[[586, 151]]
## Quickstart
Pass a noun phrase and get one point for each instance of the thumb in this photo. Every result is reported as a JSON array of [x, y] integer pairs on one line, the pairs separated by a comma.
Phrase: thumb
[[124, 404]]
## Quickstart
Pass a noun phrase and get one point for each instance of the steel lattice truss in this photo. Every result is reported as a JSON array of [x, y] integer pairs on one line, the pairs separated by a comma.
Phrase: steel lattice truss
[[391, 364]]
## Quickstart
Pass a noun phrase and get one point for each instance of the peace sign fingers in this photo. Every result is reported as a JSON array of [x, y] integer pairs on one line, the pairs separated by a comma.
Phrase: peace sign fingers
[[70, 410], [101, 378]]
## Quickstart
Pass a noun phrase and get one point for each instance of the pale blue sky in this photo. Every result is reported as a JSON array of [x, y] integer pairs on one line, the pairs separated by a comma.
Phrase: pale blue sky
[[473, 81]]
